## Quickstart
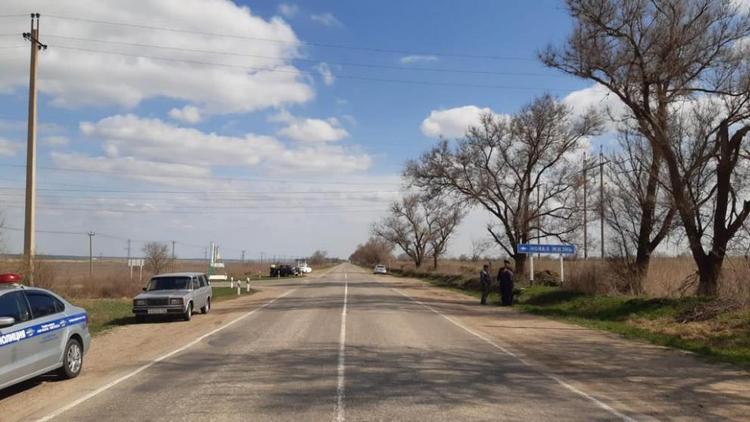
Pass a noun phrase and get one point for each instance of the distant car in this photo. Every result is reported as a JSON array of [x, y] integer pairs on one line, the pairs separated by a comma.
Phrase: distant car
[[380, 269], [283, 270], [305, 269], [174, 294], [40, 332]]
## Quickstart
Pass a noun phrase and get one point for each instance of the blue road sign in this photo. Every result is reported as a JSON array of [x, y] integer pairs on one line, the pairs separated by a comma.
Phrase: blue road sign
[[529, 248]]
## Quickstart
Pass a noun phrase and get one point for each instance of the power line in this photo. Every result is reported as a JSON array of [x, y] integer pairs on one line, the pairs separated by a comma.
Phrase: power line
[[250, 179], [300, 59], [294, 42], [250, 195], [296, 72]]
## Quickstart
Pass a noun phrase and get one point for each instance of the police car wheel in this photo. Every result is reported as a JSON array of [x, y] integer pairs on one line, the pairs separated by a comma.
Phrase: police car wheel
[[72, 359], [188, 315], [207, 308]]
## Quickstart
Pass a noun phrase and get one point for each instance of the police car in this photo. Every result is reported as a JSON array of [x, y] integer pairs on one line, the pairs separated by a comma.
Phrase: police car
[[40, 332]]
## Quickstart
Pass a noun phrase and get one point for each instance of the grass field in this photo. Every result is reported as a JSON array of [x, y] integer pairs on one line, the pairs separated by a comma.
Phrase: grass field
[[105, 314], [111, 277], [667, 276]]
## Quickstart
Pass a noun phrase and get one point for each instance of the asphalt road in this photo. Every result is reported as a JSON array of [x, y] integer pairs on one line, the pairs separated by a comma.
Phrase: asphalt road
[[348, 346]]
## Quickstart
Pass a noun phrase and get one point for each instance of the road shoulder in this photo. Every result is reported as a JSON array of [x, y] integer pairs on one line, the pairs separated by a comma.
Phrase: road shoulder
[[646, 379], [124, 349]]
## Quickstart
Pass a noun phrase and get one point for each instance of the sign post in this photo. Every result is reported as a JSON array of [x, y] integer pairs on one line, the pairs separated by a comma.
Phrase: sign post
[[562, 270], [561, 249], [133, 262], [531, 261]]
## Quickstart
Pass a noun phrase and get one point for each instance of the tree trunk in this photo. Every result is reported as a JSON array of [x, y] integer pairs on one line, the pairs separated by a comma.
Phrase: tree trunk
[[709, 271], [520, 264], [434, 262], [639, 271]]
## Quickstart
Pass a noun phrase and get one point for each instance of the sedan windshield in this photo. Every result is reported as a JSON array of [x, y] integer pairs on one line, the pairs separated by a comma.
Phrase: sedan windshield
[[168, 283]]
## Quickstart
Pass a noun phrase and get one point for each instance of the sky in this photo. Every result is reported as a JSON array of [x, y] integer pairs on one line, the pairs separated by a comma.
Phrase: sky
[[274, 128]]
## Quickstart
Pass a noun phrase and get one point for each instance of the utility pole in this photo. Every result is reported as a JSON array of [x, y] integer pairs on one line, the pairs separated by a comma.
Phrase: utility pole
[[585, 217], [128, 250], [91, 253], [205, 253], [30, 211], [243, 256], [173, 256], [601, 198]]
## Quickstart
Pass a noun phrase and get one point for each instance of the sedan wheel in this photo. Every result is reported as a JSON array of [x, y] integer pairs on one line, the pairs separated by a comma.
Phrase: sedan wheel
[[188, 315], [72, 359]]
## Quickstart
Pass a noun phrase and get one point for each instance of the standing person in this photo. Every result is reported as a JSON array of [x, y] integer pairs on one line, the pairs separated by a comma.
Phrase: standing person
[[486, 281], [505, 278]]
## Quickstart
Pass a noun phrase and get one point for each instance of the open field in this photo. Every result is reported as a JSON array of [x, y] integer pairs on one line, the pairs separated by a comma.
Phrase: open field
[[667, 277], [111, 278]]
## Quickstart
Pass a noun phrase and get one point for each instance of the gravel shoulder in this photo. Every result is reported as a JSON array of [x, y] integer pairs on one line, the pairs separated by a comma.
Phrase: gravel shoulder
[[126, 348], [640, 378]]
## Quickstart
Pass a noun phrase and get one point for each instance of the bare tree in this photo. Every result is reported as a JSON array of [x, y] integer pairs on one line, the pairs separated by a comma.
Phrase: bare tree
[[442, 219], [318, 257], [479, 247], [640, 211], [375, 251], [655, 56], [406, 227], [499, 163], [157, 257]]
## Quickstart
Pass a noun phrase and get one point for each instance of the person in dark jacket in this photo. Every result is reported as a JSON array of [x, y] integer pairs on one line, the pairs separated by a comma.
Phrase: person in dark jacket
[[485, 281], [505, 278]]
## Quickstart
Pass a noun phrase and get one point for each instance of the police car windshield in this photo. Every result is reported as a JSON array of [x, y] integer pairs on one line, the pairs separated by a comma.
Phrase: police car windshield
[[168, 283]]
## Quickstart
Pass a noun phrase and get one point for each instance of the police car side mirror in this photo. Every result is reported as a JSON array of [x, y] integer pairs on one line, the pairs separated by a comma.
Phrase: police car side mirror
[[7, 321]]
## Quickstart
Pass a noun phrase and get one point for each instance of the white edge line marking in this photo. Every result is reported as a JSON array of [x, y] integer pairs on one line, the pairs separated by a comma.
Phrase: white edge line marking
[[342, 357], [553, 377], [106, 387]]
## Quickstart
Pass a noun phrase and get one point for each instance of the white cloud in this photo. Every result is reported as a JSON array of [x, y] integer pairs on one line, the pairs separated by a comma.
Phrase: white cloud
[[418, 58], [134, 168], [152, 140], [56, 140], [310, 130], [326, 19], [325, 73], [596, 97], [8, 148], [187, 114], [452, 123], [288, 10], [73, 78]]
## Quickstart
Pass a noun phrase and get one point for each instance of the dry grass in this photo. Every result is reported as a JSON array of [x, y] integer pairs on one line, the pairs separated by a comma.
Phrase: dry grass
[[667, 277], [111, 278]]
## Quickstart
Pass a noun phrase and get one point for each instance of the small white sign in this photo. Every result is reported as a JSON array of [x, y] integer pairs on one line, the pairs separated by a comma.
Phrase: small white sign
[[136, 262]]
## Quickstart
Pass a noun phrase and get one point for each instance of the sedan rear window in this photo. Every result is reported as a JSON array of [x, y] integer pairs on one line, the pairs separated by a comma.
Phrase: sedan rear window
[[168, 283], [43, 304]]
